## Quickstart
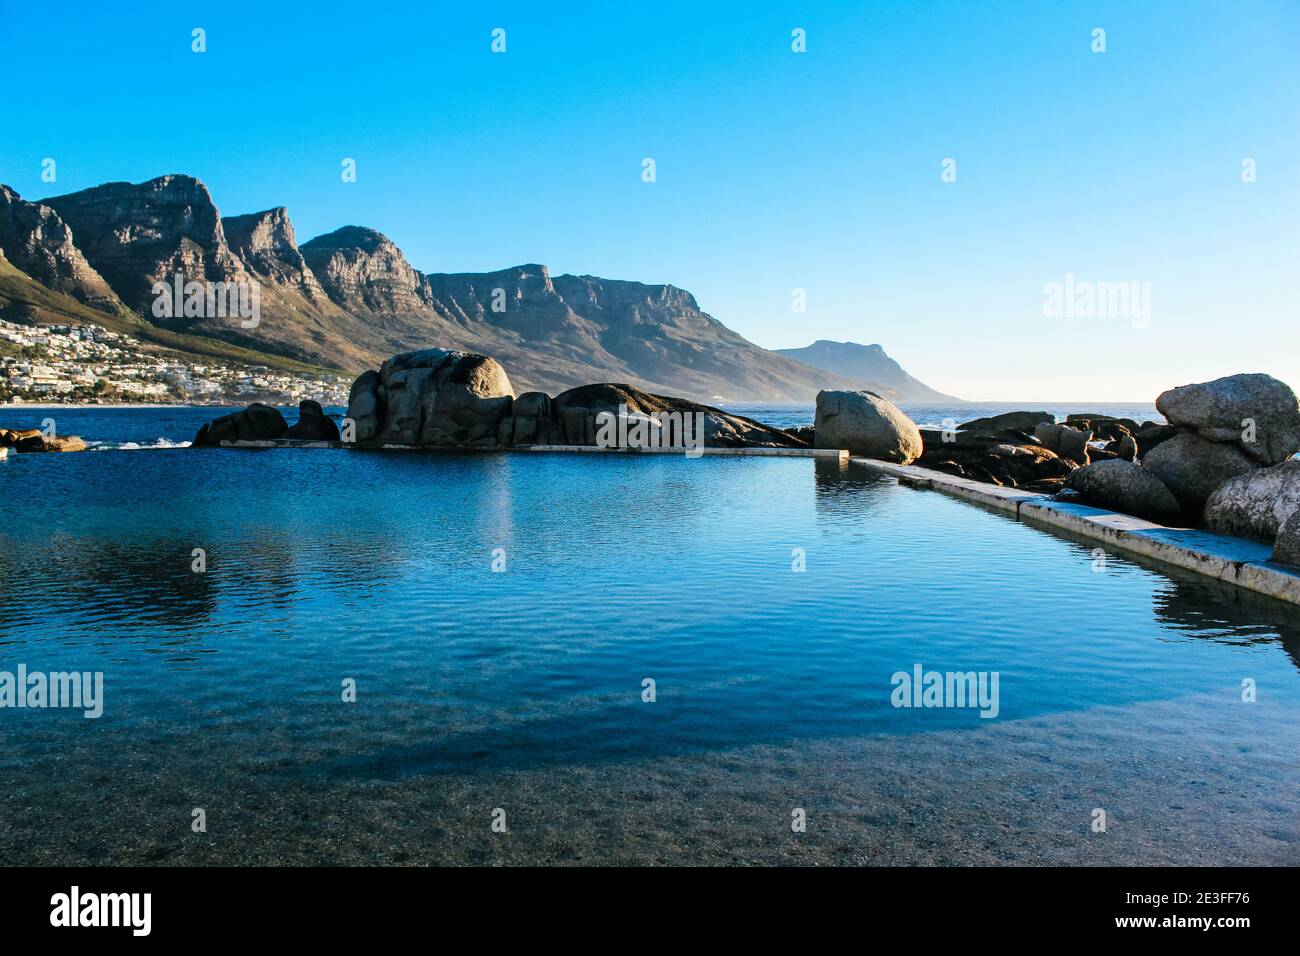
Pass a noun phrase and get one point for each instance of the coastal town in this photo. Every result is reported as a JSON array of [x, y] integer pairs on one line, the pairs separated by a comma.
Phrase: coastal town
[[88, 364]]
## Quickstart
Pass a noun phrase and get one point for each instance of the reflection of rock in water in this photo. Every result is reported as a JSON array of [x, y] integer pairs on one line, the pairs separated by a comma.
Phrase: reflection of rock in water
[[841, 487], [147, 581], [1208, 608]]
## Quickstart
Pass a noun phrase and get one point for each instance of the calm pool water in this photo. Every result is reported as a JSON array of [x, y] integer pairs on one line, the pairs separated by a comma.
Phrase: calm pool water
[[521, 690]]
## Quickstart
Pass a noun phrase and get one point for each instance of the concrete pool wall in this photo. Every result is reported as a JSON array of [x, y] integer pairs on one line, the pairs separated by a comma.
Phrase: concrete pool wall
[[1238, 561]]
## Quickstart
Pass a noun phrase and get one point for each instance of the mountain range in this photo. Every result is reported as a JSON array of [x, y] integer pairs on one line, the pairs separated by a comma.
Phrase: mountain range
[[349, 299]]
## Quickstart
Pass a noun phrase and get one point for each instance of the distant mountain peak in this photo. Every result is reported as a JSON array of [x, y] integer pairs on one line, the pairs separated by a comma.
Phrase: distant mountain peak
[[866, 364]]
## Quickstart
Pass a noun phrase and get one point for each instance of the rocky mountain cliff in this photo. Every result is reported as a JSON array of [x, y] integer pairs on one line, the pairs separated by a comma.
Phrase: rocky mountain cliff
[[35, 240], [349, 299], [865, 363]]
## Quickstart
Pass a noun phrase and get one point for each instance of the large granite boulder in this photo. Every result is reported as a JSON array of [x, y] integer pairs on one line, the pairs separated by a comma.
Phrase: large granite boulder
[[1193, 467], [1256, 504], [257, 422], [1020, 421], [1123, 486], [1286, 547], [1069, 441], [432, 397], [576, 419], [866, 425], [1223, 410], [531, 421], [313, 424], [1048, 434], [366, 406], [1150, 437]]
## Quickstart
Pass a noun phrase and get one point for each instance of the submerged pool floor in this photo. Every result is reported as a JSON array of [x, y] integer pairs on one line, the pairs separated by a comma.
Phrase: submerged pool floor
[[506, 620]]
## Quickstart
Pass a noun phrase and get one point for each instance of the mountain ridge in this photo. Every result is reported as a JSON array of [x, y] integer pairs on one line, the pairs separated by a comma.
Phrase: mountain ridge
[[865, 363], [349, 298]]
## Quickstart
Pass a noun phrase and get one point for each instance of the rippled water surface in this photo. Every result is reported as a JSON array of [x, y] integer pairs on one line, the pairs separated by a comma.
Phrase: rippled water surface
[[1120, 685]]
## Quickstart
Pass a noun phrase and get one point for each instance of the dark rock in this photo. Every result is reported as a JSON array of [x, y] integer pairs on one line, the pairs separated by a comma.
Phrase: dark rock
[[1151, 436], [1021, 421], [1193, 467], [531, 421], [1074, 445], [1256, 504], [1005, 457], [1048, 434], [257, 422], [1125, 487], [577, 419], [313, 424], [804, 433], [1229, 409], [366, 406], [866, 425]]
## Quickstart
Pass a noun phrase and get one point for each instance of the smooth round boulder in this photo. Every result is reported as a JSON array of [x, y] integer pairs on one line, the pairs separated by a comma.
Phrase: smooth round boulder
[[867, 425], [1257, 504], [432, 397], [1193, 467], [1125, 487], [1256, 411], [257, 422]]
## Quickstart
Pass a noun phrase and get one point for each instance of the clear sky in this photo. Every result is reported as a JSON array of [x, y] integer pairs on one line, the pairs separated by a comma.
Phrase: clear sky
[[775, 170]]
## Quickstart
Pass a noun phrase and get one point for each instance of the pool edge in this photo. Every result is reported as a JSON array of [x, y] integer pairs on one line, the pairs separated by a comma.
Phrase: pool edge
[[1236, 561]]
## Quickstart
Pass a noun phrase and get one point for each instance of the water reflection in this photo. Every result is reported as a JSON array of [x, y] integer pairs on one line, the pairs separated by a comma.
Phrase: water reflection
[[1206, 607]]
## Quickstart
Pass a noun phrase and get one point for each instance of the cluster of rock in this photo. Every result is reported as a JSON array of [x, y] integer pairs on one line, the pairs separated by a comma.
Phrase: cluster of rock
[[1031, 450], [33, 439], [446, 398], [259, 422], [1224, 462]]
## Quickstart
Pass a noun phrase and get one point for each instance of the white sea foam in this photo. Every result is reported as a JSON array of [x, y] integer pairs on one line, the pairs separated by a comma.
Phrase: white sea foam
[[135, 445]]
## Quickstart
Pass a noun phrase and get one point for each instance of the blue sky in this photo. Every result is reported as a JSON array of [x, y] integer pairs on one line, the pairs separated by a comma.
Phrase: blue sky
[[775, 170]]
